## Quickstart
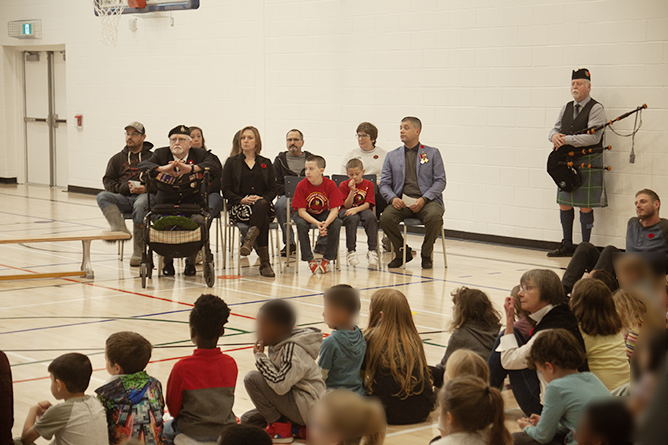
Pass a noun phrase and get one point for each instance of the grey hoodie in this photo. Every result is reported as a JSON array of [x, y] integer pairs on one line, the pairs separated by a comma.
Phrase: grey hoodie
[[472, 335], [289, 366]]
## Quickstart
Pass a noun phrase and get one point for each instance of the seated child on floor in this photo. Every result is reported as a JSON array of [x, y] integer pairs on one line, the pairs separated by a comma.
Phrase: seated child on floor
[[342, 353], [475, 326], [345, 418], [557, 356], [605, 422], [200, 389], [471, 414], [133, 399], [288, 382], [395, 367], [358, 201], [80, 419]]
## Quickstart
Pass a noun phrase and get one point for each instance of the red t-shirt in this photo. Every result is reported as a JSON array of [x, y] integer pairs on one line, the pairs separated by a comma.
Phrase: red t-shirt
[[318, 199], [365, 192]]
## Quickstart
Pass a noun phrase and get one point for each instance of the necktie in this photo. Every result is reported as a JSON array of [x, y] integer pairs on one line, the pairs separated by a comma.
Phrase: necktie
[[576, 110]]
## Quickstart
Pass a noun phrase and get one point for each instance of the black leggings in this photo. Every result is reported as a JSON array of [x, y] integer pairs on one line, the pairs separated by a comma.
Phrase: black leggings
[[260, 219]]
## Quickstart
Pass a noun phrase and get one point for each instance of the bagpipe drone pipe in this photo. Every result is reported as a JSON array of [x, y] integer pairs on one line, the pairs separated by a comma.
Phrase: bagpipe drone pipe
[[562, 163]]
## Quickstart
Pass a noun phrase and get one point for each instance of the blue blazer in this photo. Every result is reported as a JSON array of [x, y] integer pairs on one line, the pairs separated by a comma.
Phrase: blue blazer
[[430, 174]]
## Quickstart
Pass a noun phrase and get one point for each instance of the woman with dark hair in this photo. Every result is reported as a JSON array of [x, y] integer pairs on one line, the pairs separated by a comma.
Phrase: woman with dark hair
[[249, 185], [542, 296], [215, 200]]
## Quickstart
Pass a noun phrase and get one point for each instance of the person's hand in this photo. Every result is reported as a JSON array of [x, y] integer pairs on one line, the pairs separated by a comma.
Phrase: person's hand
[[168, 169], [322, 227], [509, 307], [398, 203], [351, 211], [139, 190], [418, 205], [246, 200], [524, 422], [255, 198], [258, 347], [41, 408], [352, 185], [534, 419], [558, 140]]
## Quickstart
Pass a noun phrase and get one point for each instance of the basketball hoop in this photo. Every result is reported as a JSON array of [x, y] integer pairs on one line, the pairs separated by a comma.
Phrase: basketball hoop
[[109, 12]]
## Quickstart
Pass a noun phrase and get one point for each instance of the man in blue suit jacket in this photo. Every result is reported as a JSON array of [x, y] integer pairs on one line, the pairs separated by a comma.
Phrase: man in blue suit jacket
[[413, 181]]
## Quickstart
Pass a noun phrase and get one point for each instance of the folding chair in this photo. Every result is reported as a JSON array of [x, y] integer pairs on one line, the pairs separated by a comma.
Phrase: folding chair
[[290, 187], [230, 234], [417, 222], [338, 180], [121, 244]]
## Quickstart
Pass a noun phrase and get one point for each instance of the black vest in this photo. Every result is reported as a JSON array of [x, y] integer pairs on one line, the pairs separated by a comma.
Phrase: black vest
[[581, 122]]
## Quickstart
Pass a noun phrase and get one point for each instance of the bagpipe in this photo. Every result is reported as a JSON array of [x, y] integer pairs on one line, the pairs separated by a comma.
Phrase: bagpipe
[[562, 163]]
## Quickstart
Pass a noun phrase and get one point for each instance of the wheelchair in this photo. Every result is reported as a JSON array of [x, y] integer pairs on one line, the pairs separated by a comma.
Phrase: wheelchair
[[169, 232]]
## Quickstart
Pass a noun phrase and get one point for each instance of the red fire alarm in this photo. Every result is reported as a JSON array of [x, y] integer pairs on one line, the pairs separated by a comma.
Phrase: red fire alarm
[[79, 118]]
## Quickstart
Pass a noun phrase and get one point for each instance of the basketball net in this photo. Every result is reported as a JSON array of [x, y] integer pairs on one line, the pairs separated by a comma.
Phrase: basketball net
[[109, 12]]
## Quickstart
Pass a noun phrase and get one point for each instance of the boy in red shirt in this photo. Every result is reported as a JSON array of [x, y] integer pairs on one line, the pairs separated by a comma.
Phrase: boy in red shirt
[[317, 201], [359, 200], [200, 389]]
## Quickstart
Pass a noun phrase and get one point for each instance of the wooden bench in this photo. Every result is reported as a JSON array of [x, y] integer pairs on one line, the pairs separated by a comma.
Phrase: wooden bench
[[85, 238]]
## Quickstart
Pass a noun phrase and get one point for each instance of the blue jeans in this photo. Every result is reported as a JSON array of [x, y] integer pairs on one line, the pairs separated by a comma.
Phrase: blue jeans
[[370, 223], [171, 430], [524, 382], [303, 228], [135, 204]]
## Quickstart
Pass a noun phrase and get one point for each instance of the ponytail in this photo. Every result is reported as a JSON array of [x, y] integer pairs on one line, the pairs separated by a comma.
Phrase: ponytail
[[498, 433], [475, 406]]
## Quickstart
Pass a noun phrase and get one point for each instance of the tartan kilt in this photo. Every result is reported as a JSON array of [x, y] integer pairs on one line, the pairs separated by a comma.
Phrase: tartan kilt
[[591, 192]]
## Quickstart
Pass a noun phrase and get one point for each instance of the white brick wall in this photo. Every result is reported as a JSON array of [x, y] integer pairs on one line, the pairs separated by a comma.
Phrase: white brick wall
[[486, 78]]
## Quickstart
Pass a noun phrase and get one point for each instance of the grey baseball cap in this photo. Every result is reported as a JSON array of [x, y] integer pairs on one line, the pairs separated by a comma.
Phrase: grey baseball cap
[[137, 126]]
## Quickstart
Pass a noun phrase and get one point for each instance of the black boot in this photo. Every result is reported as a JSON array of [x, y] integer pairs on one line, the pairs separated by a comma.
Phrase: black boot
[[247, 246], [265, 264], [168, 268]]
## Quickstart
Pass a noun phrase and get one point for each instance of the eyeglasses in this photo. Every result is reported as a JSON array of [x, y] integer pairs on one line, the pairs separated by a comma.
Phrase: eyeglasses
[[133, 134], [361, 136], [526, 288], [178, 139]]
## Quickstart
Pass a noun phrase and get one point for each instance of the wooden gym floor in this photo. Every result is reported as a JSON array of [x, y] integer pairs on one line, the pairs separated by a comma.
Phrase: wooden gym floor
[[41, 319]]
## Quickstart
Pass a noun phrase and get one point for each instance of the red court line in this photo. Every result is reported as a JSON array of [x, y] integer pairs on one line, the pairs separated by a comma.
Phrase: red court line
[[18, 268], [152, 361]]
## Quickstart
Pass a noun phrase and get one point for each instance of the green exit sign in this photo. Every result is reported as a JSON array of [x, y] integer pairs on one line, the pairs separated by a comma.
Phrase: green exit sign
[[26, 29]]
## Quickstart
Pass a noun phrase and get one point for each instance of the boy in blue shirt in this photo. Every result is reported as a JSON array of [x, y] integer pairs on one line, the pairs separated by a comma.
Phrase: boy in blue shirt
[[342, 353], [557, 355]]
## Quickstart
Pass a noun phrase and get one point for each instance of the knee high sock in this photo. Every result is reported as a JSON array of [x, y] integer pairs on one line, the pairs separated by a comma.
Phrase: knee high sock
[[587, 223], [567, 218]]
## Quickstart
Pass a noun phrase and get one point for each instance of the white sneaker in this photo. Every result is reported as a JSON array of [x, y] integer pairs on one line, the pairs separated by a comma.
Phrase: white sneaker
[[372, 258], [352, 259]]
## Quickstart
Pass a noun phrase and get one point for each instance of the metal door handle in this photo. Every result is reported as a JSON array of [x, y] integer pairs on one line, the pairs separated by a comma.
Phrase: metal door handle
[[35, 119]]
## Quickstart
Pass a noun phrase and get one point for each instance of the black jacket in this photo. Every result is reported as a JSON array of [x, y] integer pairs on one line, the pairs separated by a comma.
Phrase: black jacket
[[186, 189], [561, 317], [231, 179], [216, 180], [399, 411], [122, 167], [282, 170]]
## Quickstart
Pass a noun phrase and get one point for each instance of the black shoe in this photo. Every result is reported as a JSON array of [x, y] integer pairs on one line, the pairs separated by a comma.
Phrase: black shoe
[[319, 249], [168, 268], [398, 260], [293, 250], [189, 270], [427, 263], [564, 250]]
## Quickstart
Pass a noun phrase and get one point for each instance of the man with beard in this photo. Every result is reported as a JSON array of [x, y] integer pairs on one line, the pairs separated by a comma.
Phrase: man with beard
[[180, 174], [576, 116], [289, 163], [122, 191], [645, 233]]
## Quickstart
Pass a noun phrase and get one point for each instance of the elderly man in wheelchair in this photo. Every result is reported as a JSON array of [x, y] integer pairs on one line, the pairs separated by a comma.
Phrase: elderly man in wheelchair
[[178, 172]]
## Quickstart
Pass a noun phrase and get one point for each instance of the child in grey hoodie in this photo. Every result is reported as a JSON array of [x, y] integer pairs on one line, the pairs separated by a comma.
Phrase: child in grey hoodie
[[288, 382], [342, 353]]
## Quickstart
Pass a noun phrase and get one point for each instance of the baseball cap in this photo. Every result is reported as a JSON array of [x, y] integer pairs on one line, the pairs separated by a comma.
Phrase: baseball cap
[[137, 126]]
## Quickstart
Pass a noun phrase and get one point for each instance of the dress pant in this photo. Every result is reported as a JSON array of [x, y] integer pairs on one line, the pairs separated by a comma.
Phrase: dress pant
[[432, 218]]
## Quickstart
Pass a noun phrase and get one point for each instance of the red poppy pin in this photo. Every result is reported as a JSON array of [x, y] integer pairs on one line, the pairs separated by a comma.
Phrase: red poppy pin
[[375, 156], [650, 236], [263, 165]]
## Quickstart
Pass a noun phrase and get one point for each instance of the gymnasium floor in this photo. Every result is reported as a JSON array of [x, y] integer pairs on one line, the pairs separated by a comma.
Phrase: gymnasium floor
[[42, 319]]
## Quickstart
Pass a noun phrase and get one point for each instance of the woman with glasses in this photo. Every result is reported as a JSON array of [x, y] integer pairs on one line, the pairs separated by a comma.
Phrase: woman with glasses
[[542, 296], [249, 185]]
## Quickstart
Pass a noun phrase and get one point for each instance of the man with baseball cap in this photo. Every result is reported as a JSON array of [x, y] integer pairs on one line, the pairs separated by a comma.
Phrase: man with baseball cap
[[123, 191], [180, 174]]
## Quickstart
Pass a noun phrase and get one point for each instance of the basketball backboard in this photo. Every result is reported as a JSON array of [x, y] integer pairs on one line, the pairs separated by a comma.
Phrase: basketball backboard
[[152, 5]]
